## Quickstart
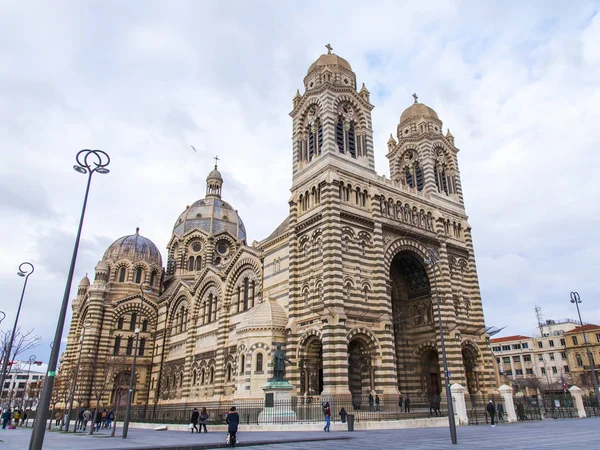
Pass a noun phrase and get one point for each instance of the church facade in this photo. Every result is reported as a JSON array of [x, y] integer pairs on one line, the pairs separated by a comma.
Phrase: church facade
[[346, 284]]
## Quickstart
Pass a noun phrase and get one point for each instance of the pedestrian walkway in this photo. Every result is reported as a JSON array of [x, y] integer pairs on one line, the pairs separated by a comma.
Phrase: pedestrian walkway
[[560, 433]]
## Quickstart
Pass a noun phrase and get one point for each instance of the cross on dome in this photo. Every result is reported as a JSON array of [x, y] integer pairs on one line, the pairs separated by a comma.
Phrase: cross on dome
[[415, 97], [329, 48], [216, 158]]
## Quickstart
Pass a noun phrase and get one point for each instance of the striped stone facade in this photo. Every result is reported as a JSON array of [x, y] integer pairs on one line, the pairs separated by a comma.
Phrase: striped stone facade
[[345, 284]]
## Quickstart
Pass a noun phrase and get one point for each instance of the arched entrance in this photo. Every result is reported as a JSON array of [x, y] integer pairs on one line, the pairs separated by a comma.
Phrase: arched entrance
[[361, 379], [431, 373], [469, 356], [118, 395], [311, 367], [412, 316]]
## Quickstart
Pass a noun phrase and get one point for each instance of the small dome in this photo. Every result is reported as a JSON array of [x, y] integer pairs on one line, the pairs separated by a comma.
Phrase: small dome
[[85, 281], [211, 215], [416, 111], [102, 265], [134, 247], [268, 314], [330, 59], [214, 175]]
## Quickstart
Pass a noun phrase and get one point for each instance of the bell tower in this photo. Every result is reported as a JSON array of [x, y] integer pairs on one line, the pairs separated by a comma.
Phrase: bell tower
[[331, 121]]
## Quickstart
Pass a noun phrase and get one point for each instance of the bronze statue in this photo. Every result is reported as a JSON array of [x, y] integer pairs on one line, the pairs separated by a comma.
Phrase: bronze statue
[[279, 361]]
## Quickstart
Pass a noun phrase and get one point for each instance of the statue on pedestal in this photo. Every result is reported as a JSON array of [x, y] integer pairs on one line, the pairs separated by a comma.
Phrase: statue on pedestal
[[279, 361]]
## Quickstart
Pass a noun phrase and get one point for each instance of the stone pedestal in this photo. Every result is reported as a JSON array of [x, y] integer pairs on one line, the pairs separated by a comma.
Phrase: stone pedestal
[[460, 407], [576, 395], [278, 403], [509, 405]]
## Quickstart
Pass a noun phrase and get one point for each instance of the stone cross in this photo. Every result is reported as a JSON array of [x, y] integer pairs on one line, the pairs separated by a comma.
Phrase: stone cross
[[329, 48], [216, 158], [415, 97]]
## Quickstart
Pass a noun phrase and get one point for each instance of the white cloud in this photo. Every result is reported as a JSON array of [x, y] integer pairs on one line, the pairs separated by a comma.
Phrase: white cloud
[[517, 84]]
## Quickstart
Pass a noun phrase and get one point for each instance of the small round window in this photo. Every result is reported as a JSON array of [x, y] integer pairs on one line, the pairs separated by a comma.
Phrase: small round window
[[222, 247], [196, 247]]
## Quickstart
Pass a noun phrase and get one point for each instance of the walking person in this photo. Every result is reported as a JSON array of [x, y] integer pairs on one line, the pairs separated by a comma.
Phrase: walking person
[[400, 401], [370, 402], [327, 414], [203, 419], [24, 418], [377, 403], [407, 403], [343, 414], [17, 417], [57, 417], [79, 424], [109, 418], [500, 411], [87, 416], [491, 409], [437, 402], [194, 421], [233, 420], [98, 420], [6, 416]]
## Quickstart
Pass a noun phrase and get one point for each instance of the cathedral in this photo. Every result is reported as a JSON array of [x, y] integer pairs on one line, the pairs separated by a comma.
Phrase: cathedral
[[346, 284]]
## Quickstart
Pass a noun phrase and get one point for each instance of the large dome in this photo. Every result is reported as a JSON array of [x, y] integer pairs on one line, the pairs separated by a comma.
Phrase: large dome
[[268, 314], [211, 215], [416, 111], [134, 247]]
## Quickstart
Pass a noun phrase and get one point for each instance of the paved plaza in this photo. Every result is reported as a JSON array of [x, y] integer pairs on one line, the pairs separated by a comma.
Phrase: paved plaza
[[561, 433]]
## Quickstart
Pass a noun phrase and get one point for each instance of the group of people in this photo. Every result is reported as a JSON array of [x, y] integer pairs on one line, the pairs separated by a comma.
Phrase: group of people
[[97, 418], [404, 401], [13, 419], [199, 418], [493, 410]]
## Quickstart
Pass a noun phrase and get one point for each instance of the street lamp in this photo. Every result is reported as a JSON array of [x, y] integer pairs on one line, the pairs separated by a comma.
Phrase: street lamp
[[86, 324], [433, 259], [147, 288], [2, 316], [88, 162], [25, 269], [577, 300]]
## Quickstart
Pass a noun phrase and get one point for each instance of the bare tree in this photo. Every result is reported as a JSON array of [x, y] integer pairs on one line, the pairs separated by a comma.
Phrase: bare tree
[[103, 375], [60, 392]]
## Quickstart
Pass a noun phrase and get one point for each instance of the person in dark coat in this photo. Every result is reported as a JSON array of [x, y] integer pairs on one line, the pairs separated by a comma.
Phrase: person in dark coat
[[491, 409], [371, 402], [400, 401], [437, 403], [194, 420], [98, 420], [233, 420], [500, 411], [377, 403], [6, 416], [203, 419], [343, 414], [407, 403]]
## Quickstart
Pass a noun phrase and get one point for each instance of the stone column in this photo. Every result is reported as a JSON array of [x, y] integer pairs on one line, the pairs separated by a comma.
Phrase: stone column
[[460, 407], [509, 406], [576, 394]]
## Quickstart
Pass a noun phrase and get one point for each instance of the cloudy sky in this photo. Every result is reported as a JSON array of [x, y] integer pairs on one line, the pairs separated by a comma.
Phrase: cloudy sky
[[517, 84]]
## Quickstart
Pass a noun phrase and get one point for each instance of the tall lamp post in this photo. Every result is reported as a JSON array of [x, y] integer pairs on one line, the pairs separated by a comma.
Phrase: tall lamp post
[[88, 162], [433, 259], [575, 298], [145, 287], [86, 324], [32, 360], [25, 269]]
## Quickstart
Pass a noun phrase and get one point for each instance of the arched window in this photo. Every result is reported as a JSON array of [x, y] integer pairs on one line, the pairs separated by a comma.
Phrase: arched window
[[211, 379], [228, 376], [409, 177], [129, 349], [339, 135], [194, 377], [120, 323], [351, 141], [259, 363], [311, 144], [319, 138], [117, 346], [242, 364], [246, 289], [181, 380], [152, 277], [419, 176], [132, 321], [210, 306], [203, 377], [191, 263], [138, 275], [145, 325], [198, 262], [142, 347], [168, 383], [122, 273]]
